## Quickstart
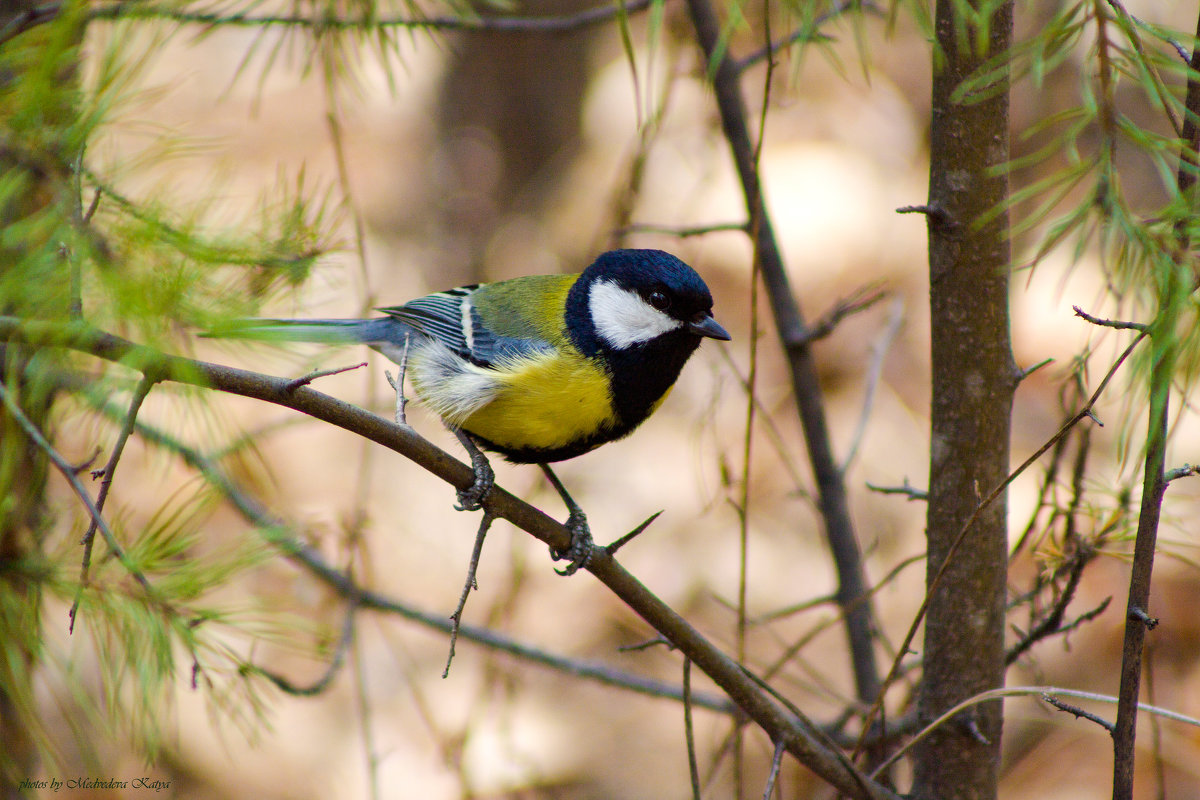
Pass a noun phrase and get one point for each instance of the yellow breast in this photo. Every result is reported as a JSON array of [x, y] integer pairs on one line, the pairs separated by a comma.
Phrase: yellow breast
[[544, 402]]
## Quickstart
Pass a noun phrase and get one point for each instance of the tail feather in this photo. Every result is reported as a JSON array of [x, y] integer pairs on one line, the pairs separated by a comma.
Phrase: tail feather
[[372, 332]]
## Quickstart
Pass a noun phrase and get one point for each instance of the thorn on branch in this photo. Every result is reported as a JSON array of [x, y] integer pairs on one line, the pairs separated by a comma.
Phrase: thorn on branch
[[911, 492], [1141, 616], [1120, 325], [1079, 712], [611, 549], [1182, 472], [293, 385], [970, 724], [937, 215], [1022, 374]]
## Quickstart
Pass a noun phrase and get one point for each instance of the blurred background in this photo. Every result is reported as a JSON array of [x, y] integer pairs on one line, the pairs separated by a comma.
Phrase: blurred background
[[463, 157]]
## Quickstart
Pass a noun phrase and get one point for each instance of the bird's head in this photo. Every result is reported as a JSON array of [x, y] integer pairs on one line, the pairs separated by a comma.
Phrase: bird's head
[[628, 298]]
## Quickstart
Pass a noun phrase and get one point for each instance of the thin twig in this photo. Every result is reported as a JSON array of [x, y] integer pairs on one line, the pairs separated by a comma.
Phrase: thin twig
[[1025, 373], [860, 300], [773, 775], [657, 641], [335, 664], [807, 34], [470, 583], [139, 395], [932, 584], [613, 547], [689, 731], [305, 380], [791, 330], [497, 24], [879, 349], [1052, 622], [73, 480], [774, 718], [1023, 691], [911, 492], [1120, 325], [1079, 712], [1181, 472], [681, 231], [397, 384]]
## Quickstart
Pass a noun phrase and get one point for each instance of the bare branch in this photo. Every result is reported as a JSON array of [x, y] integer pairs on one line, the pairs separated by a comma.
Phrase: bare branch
[[68, 472], [983, 504], [1111, 323], [800, 738], [683, 232], [305, 380], [811, 33], [1079, 712], [879, 349], [139, 395], [689, 731], [1181, 472], [322, 683], [791, 330], [485, 24], [470, 583], [911, 492]]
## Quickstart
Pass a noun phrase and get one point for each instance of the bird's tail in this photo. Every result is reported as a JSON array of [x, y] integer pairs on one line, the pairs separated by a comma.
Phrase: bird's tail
[[323, 331]]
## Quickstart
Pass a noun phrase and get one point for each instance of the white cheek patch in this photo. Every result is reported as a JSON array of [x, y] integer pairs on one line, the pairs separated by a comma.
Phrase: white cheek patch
[[623, 319]]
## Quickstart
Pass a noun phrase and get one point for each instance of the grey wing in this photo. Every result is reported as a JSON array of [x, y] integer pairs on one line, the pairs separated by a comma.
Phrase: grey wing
[[451, 318]]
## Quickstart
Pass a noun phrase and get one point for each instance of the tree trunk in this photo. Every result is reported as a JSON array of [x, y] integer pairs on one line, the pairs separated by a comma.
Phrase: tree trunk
[[973, 382]]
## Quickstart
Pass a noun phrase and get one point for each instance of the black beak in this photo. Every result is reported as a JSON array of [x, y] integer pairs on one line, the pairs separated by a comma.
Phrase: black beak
[[707, 326]]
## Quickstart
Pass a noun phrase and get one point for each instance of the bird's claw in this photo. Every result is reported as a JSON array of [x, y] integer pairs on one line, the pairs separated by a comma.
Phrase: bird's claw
[[580, 552], [471, 498]]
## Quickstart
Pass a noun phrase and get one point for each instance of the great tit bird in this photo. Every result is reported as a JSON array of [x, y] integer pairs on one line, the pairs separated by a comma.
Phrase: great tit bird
[[540, 368]]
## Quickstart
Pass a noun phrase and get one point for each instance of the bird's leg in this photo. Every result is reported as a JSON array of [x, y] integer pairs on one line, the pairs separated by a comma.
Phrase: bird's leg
[[471, 498], [580, 551]]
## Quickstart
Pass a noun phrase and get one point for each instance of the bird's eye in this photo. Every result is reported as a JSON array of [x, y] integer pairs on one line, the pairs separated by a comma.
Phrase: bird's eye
[[660, 300]]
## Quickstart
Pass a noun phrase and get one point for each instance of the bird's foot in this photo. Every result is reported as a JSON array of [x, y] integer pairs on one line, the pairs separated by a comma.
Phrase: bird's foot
[[471, 498], [580, 552]]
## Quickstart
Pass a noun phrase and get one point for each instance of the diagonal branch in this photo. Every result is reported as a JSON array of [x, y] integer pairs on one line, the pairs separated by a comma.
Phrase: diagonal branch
[[781, 724], [794, 334], [72, 478], [109, 469]]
